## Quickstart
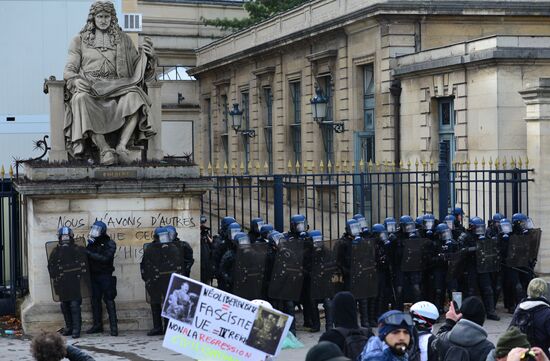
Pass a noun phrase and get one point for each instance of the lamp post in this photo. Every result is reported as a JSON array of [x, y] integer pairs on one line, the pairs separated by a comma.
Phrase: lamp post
[[236, 120], [319, 111]]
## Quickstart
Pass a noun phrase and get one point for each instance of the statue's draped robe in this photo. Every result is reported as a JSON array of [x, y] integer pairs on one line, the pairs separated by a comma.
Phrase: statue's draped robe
[[116, 73]]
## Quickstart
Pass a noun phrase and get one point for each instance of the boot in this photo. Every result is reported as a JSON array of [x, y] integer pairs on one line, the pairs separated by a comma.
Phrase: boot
[[77, 320], [488, 300], [157, 320], [66, 311], [363, 313], [329, 319], [97, 326], [111, 310], [373, 312]]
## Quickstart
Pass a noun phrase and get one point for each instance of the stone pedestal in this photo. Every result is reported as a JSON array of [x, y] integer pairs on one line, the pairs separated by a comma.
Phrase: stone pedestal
[[132, 201], [537, 101]]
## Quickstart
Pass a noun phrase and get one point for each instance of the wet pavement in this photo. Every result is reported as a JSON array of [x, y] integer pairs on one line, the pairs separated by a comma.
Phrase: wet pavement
[[136, 346]]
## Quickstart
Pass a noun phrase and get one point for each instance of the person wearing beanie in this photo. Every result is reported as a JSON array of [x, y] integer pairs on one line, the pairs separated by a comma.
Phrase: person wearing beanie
[[394, 338], [344, 314], [509, 340], [532, 315], [325, 351], [464, 329]]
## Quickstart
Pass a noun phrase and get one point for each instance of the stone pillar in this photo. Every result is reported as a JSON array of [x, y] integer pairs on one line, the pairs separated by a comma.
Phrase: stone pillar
[[537, 100], [154, 146], [58, 153], [132, 201]]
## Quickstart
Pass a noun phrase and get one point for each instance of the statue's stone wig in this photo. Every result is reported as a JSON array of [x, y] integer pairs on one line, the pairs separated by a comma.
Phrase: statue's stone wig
[[87, 34]]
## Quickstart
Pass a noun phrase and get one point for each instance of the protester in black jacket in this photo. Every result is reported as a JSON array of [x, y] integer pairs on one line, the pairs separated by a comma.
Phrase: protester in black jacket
[[532, 315], [50, 346], [464, 330], [101, 253], [344, 313]]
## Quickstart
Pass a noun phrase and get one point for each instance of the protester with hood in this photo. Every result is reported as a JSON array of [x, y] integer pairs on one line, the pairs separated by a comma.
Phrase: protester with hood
[[463, 331], [394, 338], [532, 315], [325, 351], [509, 340], [344, 313]]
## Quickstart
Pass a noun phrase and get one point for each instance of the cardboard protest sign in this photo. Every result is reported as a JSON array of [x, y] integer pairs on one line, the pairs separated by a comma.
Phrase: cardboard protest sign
[[210, 324]]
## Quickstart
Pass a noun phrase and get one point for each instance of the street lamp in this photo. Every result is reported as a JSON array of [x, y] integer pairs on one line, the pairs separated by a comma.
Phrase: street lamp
[[319, 111], [236, 119], [319, 105]]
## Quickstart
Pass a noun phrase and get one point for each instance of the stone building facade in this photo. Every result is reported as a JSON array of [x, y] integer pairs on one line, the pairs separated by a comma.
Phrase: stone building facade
[[400, 76]]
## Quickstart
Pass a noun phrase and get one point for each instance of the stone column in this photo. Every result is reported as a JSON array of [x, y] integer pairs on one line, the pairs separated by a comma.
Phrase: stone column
[[537, 100], [58, 153], [154, 147]]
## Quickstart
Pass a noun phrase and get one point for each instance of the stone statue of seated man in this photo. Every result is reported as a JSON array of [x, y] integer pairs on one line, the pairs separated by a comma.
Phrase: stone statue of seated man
[[106, 99]]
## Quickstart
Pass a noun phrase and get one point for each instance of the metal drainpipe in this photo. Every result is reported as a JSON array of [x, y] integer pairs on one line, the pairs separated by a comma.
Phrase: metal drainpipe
[[395, 90]]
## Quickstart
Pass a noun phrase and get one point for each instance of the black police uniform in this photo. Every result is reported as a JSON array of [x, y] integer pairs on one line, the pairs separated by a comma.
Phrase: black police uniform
[[101, 254]]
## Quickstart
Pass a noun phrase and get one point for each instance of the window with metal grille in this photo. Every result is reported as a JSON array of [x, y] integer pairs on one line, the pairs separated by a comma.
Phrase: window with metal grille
[[268, 127], [224, 112], [132, 22], [209, 128], [325, 83], [368, 114], [245, 101], [296, 120]]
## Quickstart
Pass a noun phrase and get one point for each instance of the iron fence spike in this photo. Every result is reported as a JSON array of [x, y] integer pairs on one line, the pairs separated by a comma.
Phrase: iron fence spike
[[11, 171]]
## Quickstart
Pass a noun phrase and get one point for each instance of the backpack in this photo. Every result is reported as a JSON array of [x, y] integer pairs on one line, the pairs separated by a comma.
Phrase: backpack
[[456, 353], [524, 320], [355, 340]]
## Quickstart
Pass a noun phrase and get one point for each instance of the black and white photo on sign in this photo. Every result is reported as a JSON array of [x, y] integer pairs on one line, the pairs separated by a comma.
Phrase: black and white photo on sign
[[267, 330], [181, 300]]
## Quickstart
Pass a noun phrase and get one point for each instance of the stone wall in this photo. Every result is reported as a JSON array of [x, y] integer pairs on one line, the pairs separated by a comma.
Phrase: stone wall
[[131, 220]]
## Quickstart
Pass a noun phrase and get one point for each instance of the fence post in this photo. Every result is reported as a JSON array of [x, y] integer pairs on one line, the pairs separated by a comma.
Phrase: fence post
[[279, 222], [515, 190], [443, 170]]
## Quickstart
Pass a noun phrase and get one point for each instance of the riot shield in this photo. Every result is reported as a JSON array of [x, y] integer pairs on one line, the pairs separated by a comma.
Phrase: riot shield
[[534, 242], [518, 251], [487, 256], [363, 274], [69, 271], [414, 254], [455, 265], [324, 272], [249, 269], [159, 261], [287, 276]]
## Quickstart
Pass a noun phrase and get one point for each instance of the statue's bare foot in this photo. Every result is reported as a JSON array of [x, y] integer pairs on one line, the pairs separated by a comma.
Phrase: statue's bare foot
[[108, 157], [123, 154]]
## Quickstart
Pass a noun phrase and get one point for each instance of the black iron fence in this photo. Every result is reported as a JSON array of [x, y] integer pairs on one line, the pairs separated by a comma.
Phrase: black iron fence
[[13, 279], [377, 191]]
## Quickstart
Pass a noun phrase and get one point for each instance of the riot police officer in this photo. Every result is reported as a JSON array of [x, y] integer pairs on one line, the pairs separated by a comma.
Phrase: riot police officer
[[458, 213], [220, 244], [344, 252], [443, 246], [160, 259], [386, 289], [481, 262], [101, 253], [407, 272], [493, 225], [225, 277], [185, 248], [206, 251], [255, 226], [63, 261], [323, 269]]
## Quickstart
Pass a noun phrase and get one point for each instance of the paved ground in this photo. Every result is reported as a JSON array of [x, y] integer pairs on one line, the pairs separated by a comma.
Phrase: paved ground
[[135, 346]]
